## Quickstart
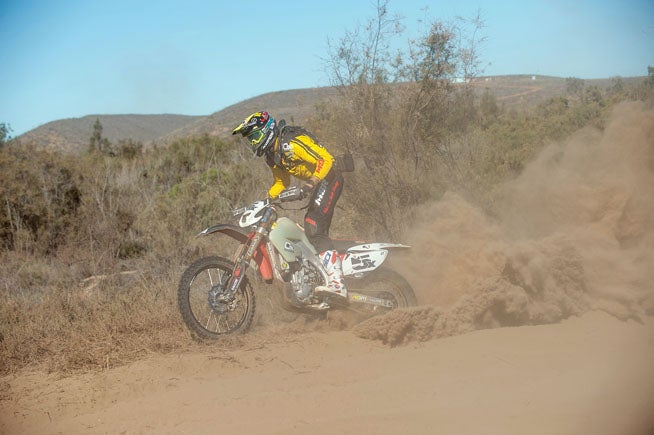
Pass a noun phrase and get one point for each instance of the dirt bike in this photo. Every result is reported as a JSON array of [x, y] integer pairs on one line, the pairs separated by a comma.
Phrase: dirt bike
[[215, 296]]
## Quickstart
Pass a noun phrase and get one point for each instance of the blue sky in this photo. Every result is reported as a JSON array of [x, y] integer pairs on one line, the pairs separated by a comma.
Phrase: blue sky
[[71, 58]]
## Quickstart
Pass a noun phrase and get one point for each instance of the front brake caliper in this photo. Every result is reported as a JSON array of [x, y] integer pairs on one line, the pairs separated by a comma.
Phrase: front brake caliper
[[217, 298]]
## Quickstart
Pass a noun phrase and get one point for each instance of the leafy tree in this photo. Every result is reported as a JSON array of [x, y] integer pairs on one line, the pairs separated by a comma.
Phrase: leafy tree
[[97, 142], [5, 130]]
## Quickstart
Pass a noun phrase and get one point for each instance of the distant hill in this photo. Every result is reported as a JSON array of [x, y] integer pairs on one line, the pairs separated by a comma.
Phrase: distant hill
[[521, 92], [293, 105], [73, 134]]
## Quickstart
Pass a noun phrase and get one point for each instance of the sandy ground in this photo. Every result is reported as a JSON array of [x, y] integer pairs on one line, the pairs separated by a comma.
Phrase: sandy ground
[[592, 374]]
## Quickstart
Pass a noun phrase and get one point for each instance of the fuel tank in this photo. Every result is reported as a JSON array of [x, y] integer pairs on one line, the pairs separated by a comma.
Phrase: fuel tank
[[284, 234]]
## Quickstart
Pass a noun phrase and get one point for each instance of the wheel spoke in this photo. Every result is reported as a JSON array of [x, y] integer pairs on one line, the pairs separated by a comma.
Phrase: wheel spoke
[[206, 326], [205, 316], [218, 323]]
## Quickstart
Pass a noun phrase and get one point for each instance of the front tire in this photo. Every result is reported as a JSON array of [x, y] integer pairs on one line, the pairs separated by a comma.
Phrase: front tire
[[206, 319]]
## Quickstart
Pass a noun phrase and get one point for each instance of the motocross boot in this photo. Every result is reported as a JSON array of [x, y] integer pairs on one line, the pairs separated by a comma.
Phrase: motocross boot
[[334, 267]]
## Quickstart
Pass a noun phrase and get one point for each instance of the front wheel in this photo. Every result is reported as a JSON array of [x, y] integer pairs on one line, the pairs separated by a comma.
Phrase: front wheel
[[385, 284], [198, 295]]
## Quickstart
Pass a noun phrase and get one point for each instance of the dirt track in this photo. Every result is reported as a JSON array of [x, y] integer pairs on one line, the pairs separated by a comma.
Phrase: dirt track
[[585, 375]]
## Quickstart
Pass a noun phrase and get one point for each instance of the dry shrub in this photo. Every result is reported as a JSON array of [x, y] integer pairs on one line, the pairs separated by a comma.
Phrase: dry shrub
[[40, 198], [62, 325], [106, 292]]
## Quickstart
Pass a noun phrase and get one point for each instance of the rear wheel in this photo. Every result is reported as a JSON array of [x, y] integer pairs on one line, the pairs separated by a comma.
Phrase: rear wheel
[[206, 316], [384, 284]]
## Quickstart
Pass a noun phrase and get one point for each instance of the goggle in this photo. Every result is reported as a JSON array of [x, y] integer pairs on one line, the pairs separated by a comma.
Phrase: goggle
[[255, 137]]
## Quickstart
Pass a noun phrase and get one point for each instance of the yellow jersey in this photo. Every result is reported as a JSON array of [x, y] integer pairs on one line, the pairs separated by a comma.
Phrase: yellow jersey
[[300, 156]]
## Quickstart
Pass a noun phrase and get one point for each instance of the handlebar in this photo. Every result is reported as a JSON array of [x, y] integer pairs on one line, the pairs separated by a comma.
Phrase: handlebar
[[293, 193], [239, 211]]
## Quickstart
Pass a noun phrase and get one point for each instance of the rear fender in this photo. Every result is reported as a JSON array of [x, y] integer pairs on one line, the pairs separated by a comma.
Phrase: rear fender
[[375, 246], [361, 262], [261, 256], [366, 257]]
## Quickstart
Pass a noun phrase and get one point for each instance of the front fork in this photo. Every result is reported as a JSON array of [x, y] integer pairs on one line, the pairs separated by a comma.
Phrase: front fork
[[243, 262], [243, 259]]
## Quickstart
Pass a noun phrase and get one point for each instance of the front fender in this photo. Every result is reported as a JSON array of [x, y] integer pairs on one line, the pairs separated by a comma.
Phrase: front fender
[[261, 256], [232, 231]]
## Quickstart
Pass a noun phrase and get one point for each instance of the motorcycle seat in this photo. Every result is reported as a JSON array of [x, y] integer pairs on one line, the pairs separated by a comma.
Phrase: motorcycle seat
[[343, 245]]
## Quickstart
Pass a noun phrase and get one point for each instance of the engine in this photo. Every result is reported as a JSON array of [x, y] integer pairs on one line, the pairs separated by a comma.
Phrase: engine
[[304, 280]]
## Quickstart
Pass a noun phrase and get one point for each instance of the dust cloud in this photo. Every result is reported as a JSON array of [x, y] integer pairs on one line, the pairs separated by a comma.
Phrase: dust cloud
[[574, 232]]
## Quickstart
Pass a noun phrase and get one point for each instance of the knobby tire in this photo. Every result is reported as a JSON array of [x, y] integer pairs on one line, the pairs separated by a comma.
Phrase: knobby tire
[[204, 322]]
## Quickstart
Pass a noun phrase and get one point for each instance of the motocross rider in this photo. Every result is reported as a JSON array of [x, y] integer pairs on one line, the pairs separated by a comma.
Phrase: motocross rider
[[291, 150]]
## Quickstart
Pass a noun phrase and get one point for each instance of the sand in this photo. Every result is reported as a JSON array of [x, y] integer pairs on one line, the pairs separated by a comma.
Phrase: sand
[[588, 374]]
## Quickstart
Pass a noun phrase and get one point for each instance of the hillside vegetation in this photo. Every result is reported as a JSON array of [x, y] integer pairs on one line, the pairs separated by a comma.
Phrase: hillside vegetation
[[72, 135], [515, 92], [93, 244]]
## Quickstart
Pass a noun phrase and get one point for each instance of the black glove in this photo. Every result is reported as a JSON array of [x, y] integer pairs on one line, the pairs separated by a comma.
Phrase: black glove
[[293, 193]]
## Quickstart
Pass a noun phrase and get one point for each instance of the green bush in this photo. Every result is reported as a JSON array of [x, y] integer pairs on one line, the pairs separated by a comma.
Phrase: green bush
[[41, 198]]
